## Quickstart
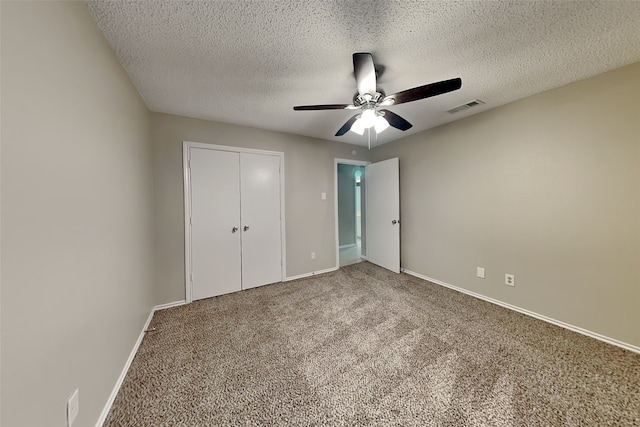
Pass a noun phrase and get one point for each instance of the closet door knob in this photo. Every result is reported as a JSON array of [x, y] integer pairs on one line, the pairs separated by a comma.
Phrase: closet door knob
[[246, 227], [234, 229], [394, 222]]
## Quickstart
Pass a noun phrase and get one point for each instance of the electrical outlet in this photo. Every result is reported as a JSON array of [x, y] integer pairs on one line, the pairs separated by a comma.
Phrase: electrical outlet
[[480, 272], [509, 279], [323, 196], [313, 255], [73, 407]]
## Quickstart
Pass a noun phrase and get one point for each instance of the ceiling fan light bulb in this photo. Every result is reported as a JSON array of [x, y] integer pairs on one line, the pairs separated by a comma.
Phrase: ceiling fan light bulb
[[358, 127], [380, 124], [368, 118]]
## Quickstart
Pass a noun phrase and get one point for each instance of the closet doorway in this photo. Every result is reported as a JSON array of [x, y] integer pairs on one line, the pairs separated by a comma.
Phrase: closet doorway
[[234, 219]]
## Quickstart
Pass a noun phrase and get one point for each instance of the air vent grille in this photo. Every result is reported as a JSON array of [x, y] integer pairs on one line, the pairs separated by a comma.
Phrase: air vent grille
[[466, 106]]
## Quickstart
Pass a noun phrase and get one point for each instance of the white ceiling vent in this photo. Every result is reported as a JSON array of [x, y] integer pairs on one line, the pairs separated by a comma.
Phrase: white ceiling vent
[[466, 106]]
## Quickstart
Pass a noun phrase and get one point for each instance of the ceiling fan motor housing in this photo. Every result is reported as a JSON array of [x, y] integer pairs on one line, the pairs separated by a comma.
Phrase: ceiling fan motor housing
[[361, 100]]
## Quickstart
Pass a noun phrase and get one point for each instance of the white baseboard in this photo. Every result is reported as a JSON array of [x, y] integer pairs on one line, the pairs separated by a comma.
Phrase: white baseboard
[[568, 326], [313, 273], [127, 364], [169, 305]]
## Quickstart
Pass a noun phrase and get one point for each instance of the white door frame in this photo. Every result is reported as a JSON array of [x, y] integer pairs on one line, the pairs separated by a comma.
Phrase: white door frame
[[335, 197], [186, 145]]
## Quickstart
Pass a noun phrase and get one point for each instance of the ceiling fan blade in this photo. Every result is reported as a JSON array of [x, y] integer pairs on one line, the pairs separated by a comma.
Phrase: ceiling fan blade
[[365, 73], [323, 107], [421, 92], [396, 121], [345, 127]]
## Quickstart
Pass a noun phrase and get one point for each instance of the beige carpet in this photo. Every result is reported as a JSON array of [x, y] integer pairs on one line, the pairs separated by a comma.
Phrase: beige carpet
[[365, 347]]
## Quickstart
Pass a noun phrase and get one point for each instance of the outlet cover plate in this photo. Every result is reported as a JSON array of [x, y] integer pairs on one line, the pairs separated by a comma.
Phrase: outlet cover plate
[[509, 279], [480, 272]]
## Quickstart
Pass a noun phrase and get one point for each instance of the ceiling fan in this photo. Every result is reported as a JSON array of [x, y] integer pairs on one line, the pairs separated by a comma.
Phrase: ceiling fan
[[371, 98]]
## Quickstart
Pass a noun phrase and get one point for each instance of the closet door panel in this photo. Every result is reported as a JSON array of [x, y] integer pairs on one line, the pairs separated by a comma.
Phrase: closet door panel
[[215, 211], [260, 219]]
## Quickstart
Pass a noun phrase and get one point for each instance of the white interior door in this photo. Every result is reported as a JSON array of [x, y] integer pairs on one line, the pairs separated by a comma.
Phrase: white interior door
[[215, 211], [383, 214], [260, 213]]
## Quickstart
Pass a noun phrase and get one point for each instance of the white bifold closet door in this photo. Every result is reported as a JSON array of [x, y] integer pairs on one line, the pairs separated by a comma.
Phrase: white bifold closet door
[[235, 230], [216, 257], [260, 214]]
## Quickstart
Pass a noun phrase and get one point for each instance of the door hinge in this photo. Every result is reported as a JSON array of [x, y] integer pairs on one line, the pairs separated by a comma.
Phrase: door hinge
[[191, 277]]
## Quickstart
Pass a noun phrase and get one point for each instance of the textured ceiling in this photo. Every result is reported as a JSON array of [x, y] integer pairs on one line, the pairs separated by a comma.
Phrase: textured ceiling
[[250, 62]]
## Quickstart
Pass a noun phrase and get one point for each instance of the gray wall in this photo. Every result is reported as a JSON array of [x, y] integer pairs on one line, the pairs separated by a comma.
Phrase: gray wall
[[546, 188], [76, 214], [309, 171]]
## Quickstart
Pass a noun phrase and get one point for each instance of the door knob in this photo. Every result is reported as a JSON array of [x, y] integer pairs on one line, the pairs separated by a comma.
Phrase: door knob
[[234, 229], [246, 227], [394, 222]]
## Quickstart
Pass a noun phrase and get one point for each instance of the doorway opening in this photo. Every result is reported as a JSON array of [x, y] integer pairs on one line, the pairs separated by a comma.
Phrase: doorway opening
[[350, 212]]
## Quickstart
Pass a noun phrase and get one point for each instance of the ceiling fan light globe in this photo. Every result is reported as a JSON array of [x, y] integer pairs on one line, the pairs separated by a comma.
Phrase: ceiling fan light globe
[[368, 118], [380, 124], [358, 127]]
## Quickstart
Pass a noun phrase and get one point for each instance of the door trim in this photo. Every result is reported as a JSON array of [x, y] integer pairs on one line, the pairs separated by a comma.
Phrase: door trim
[[186, 146], [336, 162]]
